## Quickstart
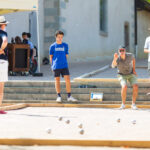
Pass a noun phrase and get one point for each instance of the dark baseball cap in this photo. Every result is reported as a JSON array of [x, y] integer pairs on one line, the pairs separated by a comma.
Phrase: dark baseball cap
[[121, 47]]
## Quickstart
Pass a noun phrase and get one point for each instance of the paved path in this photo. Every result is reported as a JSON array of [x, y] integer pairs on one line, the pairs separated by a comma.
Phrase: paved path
[[79, 68], [112, 73], [76, 70]]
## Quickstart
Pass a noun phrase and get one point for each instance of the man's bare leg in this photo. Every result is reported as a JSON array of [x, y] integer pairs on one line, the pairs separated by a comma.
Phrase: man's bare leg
[[57, 85], [135, 93], [68, 84], [124, 94], [134, 96], [1, 92], [68, 89], [58, 89], [1, 96]]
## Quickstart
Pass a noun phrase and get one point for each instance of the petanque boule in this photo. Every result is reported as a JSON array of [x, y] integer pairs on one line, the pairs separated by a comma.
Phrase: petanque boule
[[60, 118], [49, 131], [67, 121], [118, 120], [134, 122], [81, 131]]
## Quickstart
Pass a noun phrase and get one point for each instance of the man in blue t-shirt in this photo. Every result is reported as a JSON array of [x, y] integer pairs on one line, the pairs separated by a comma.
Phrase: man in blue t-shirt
[[58, 57]]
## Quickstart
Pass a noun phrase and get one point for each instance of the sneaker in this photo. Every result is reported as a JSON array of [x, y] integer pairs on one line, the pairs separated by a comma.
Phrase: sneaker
[[58, 100], [148, 94], [122, 106], [133, 106], [71, 99], [3, 112]]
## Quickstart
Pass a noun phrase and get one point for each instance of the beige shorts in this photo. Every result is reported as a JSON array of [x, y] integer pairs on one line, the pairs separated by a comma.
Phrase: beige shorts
[[132, 79], [3, 71]]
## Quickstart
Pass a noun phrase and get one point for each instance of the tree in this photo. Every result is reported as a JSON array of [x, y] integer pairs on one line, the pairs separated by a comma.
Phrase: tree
[[148, 1]]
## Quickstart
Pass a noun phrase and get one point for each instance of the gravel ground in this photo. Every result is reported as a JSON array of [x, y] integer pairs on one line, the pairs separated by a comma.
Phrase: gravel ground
[[101, 124]]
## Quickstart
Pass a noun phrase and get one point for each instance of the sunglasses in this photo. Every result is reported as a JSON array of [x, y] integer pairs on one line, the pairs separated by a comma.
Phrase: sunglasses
[[121, 50]]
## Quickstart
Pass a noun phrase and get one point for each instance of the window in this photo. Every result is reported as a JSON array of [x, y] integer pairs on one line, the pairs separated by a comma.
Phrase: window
[[103, 16], [126, 36]]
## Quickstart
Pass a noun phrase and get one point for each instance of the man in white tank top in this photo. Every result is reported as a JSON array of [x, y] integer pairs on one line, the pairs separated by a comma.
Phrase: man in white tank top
[[147, 50], [3, 59]]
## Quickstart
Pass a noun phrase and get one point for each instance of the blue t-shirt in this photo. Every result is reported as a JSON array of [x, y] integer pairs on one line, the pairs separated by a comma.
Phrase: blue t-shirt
[[25, 41], [30, 44], [59, 52]]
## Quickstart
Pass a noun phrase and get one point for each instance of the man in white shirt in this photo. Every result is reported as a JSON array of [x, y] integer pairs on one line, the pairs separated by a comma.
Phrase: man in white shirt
[[147, 50]]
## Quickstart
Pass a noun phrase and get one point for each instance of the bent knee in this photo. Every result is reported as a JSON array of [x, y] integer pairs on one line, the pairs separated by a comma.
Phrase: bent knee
[[67, 77], [57, 79], [135, 86], [124, 87]]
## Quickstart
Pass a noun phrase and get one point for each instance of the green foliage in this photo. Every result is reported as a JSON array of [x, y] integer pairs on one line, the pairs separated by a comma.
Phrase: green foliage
[[148, 1]]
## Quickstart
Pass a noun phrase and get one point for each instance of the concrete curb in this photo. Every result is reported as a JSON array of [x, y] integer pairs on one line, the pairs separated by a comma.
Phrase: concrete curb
[[86, 105], [13, 107], [86, 75], [141, 67], [83, 80], [62, 142], [42, 103], [19, 106]]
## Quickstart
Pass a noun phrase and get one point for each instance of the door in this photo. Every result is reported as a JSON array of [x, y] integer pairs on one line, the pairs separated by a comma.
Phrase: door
[[127, 37]]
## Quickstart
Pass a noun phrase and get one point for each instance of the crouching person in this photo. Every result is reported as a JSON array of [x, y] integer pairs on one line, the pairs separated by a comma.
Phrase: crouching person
[[125, 63]]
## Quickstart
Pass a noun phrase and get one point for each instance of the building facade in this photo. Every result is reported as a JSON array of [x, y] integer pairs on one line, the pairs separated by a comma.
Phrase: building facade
[[143, 23], [93, 29]]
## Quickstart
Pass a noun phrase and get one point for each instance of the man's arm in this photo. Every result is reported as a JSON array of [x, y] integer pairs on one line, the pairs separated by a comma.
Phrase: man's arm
[[4, 45], [51, 58], [146, 46], [51, 53], [146, 50], [114, 63], [34, 52], [67, 50], [134, 64]]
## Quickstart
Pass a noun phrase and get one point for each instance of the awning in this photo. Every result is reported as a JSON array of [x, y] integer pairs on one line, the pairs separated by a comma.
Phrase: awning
[[9, 6]]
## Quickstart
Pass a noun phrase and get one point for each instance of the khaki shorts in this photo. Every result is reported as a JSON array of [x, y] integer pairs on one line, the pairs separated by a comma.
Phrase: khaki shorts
[[132, 79]]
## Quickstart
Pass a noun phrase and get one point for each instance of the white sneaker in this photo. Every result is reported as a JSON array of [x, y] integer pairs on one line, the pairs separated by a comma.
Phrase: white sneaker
[[71, 99], [122, 106], [58, 100], [133, 106], [148, 94]]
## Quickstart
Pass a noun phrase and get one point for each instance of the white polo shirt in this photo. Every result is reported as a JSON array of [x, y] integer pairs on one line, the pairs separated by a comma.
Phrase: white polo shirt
[[147, 46]]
